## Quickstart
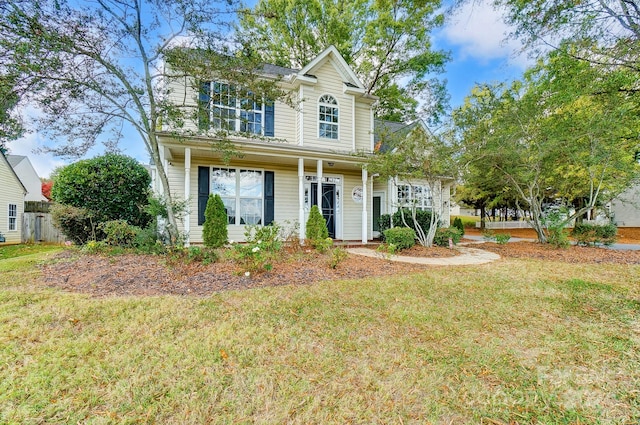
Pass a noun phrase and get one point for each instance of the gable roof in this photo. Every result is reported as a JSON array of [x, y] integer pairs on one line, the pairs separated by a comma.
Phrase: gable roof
[[6, 161], [332, 54], [14, 160], [387, 132]]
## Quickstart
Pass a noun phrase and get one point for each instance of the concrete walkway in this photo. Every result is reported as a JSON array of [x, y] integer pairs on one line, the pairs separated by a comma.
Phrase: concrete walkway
[[468, 256]]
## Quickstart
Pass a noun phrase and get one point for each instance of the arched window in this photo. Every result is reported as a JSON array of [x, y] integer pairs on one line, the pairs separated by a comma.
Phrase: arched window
[[328, 117]]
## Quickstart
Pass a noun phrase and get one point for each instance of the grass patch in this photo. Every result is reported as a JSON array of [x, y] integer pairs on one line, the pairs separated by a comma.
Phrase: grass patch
[[12, 251], [556, 343], [468, 221]]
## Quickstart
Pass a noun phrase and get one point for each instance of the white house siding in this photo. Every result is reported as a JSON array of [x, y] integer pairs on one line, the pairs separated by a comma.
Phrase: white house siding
[[12, 193], [329, 82], [363, 127], [626, 208]]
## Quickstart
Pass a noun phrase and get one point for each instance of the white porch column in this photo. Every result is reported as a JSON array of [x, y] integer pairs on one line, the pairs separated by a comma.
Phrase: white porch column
[[187, 193], [301, 199], [319, 194], [365, 201]]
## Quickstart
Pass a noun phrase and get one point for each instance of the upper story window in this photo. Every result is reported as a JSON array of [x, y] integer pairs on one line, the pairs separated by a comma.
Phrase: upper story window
[[228, 107], [328, 117]]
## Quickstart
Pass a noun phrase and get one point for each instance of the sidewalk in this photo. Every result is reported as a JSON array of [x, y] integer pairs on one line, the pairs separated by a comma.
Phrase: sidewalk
[[468, 256]]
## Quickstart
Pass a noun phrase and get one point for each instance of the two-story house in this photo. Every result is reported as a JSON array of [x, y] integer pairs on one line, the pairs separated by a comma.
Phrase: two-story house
[[305, 154]]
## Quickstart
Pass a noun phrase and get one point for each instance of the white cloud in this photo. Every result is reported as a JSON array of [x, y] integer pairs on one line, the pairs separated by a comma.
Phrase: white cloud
[[480, 33]]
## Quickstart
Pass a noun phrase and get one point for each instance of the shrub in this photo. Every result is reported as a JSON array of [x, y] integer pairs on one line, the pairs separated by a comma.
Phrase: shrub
[[457, 223], [214, 230], [261, 249], [591, 234], [400, 237], [323, 245], [77, 224], [338, 255], [109, 187], [119, 233], [316, 226], [502, 238], [422, 217], [444, 234], [146, 241], [556, 234]]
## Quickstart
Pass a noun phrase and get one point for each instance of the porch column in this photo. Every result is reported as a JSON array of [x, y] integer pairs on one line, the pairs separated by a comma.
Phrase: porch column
[[301, 199], [365, 201], [187, 193], [319, 193]]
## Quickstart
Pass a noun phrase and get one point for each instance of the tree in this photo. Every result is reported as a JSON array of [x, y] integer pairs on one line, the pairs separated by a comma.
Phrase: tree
[[559, 134], [316, 228], [109, 187], [387, 42], [214, 230], [98, 67], [10, 124], [416, 158]]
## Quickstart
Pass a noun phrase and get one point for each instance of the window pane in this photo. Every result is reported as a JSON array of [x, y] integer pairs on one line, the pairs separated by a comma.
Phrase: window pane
[[250, 211], [230, 209], [251, 183], [223, 182]]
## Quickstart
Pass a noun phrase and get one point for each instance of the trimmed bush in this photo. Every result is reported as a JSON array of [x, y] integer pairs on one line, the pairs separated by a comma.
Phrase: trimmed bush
[[77, 224], [316, 226], [400, 237], [457, 223], [422, 217], [214, 229], [444, 234], [592, 234], [109, 187]]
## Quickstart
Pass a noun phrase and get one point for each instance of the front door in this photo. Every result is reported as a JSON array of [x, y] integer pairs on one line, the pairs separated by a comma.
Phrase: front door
[[378, 210], [328, 206]]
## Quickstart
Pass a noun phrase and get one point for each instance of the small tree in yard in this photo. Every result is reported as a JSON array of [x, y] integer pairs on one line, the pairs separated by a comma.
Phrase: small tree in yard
[[214, 230], [316, 225], [419, 157]]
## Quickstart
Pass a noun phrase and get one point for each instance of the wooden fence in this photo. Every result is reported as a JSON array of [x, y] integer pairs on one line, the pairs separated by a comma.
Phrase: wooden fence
[[38, 227]]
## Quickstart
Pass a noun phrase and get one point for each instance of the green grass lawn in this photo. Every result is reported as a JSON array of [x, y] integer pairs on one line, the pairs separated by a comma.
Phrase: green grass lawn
[[510, 342]]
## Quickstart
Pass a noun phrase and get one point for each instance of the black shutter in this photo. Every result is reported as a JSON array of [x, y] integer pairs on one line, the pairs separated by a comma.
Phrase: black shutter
[[269, 116], [204, 106], [269, 203], [203, 192]]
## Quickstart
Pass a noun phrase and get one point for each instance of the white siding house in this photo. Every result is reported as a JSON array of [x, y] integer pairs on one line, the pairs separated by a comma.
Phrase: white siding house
[[302, 155], [12, 193]]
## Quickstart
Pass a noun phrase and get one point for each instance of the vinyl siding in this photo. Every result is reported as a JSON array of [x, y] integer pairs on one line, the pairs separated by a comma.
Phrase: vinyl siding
[[329, 82], [11, 193]]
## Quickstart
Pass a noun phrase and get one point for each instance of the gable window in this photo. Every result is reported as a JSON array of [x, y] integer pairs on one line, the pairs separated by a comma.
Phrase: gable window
[[328, 117], [242, 193], [415, 195], [224, 106], [13, 217]]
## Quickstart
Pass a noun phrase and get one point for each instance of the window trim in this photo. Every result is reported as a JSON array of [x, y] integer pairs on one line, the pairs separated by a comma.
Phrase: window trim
[[336, 107], [12, 217], [238, 197]]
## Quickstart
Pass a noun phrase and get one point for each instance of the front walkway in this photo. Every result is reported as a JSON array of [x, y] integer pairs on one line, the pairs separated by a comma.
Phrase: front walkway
[[468, 256]]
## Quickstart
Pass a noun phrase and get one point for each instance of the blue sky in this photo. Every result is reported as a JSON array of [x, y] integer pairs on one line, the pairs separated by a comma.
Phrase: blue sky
[[474, 36]]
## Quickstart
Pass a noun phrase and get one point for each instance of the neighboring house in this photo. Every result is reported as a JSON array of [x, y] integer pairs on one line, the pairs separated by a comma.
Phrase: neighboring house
[[12, 193], [29, 177], [625, 208], [296, 156]]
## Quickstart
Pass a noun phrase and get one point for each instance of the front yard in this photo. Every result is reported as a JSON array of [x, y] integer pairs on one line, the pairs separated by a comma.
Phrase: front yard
[[516, 341]]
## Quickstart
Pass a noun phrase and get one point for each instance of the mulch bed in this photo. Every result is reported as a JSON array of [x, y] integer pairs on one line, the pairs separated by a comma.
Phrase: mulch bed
[[130, 274]]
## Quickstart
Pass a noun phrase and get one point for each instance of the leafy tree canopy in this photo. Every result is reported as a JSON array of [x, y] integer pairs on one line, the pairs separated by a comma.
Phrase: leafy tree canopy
[[387, 42]]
